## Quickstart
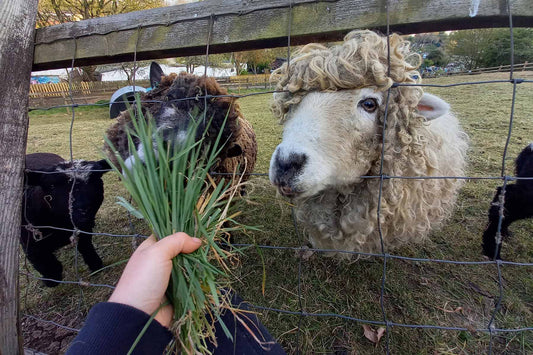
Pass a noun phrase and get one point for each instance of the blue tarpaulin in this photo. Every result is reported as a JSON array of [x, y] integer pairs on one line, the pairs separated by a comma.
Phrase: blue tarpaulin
[[44, 79]]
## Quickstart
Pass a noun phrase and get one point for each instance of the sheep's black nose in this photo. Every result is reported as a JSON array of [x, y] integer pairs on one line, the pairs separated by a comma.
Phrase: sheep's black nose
[[285, 170]]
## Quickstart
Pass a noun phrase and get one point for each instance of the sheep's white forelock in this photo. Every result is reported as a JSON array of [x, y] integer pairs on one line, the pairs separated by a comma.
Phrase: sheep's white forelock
[[130, 161], [180, 138], [168, 113], [79, 170]]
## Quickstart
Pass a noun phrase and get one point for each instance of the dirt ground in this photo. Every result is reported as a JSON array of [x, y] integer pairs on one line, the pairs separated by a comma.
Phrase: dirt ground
[[45, 336]]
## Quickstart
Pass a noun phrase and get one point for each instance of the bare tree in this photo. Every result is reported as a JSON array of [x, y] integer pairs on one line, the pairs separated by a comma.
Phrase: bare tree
[[132, 68], [256, 59], [51, 12]]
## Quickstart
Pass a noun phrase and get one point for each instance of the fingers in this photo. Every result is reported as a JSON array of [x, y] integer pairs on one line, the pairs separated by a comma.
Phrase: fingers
[[176, 243], [171, 246]]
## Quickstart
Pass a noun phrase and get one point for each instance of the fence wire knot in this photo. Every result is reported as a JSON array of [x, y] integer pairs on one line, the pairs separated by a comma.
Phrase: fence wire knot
[[37, 234], [75, 237]]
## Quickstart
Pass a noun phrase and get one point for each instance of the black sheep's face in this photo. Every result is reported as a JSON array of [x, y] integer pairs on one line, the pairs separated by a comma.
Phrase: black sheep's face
[[71, 189], [189, 98], [183, 104], [173, 121]]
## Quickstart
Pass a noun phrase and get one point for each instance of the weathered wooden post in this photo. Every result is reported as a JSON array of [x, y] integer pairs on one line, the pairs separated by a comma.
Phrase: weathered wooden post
[[17, 26]]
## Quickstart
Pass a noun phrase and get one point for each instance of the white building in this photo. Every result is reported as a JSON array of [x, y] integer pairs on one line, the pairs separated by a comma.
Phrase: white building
[[144, 72]]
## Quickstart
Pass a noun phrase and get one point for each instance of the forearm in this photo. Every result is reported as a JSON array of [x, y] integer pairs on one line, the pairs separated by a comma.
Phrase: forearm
[[112, 328]]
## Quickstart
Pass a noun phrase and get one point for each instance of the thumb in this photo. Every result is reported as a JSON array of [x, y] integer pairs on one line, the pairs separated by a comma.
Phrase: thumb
[[175, 244]]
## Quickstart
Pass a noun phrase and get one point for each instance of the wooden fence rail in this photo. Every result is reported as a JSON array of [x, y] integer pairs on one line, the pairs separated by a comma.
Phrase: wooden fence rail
[[502, 68], [246, 79], [101, 88], [527, 66], [79, 89], [236, 25]]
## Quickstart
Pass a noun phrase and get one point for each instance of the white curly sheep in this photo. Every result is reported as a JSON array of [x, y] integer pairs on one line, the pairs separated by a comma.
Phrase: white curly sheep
[[328, 163]]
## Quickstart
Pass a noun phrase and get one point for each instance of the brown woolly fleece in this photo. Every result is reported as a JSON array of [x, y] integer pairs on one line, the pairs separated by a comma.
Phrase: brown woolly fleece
[[188, 90]]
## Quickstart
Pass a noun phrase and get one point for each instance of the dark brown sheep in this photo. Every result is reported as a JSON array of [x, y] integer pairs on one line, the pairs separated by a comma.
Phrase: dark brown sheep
[[173, 101]]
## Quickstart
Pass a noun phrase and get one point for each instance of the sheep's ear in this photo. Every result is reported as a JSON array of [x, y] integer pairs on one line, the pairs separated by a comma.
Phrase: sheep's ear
[[155, 74], [431, 106], [234, 151], [101, 165]]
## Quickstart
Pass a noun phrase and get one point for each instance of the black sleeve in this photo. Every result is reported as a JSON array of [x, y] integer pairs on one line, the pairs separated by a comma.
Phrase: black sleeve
[[250, 337], [112, 328]]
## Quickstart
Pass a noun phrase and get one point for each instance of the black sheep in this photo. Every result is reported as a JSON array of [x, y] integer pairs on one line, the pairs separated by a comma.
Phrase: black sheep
[[518, 204], [49, 182]]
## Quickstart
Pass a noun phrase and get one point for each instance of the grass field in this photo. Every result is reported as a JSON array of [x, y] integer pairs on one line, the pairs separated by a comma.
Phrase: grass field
[[416, 292]]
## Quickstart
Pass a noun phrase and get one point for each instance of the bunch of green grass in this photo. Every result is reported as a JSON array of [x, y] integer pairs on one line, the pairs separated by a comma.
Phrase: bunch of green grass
[[173, 191]]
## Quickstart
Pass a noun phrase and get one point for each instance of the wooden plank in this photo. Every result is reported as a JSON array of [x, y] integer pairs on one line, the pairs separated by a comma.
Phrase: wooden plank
[[237, 25], [17, 26]]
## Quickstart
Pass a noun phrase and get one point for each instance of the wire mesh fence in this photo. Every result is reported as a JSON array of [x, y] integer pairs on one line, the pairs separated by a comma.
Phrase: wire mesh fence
[[303, 315]]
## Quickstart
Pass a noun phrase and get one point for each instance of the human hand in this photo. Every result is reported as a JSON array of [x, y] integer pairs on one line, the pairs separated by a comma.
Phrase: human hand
[[145, 279]]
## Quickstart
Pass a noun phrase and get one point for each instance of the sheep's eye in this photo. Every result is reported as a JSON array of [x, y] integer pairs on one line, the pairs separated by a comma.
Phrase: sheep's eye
[[369, 105]]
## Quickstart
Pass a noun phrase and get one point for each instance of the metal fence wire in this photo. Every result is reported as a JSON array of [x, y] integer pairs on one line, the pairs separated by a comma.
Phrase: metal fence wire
[[386, 258]]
